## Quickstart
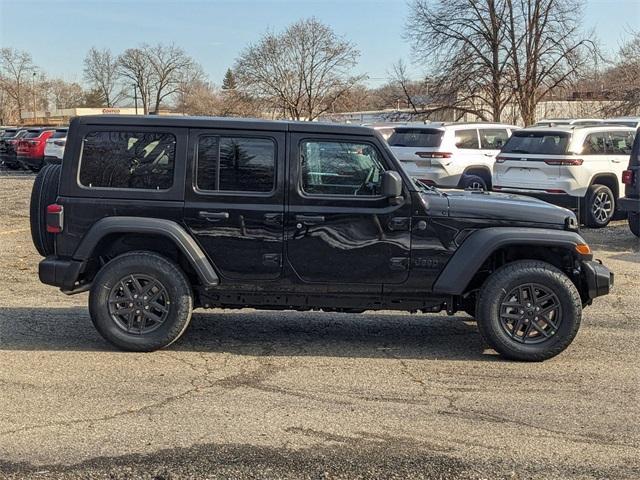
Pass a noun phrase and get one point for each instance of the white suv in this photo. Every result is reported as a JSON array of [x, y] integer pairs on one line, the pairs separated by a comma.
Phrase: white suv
[[576, 167], [452, 155]]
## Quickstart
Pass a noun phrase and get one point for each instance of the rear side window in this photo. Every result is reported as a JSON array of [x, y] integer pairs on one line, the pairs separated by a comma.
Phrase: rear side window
[[236, 164], [127, 159], [416, 137], [32, 135], [544, 143], [493, 139], [595, 144], [467, 139], [620, 143]]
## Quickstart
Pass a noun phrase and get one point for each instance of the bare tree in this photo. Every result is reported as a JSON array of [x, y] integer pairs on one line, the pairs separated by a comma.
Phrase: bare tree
[[134, 66], [16, 72], [170, 66], [101, 73], [156, 71], [547, 49], [623, 79], [462, 43], [65, 94], [301, 71]]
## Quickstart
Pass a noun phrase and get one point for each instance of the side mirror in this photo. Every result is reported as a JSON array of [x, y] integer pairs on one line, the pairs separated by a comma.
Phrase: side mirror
[[391, 185]]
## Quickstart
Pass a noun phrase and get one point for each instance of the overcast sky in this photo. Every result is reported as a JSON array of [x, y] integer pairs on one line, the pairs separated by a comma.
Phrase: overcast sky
[[58, 33]]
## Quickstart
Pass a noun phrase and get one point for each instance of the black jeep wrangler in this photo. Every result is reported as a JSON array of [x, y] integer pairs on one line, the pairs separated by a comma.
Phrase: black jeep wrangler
[[631, 178], [156, 216]]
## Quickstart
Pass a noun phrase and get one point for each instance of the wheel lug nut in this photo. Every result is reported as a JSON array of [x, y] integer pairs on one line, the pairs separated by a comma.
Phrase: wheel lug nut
[[521, 312], [135, 296], [146, 308]]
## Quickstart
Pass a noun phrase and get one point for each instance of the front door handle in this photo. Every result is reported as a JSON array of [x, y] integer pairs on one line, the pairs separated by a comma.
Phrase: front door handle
[[310, 219], [214, 216]]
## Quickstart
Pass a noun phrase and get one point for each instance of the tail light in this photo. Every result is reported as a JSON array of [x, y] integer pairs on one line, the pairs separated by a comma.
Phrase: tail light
[[573, 162], [500, 159], [627, 177], [55, 218], [555, 191], [434, 154]]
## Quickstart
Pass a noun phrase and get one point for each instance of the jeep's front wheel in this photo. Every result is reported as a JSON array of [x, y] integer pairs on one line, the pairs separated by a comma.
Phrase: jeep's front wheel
[[529, 310], [634, 223], [141, 301]]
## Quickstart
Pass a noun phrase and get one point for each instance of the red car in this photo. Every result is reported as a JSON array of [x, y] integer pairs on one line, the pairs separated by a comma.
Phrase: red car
[[30, 148]]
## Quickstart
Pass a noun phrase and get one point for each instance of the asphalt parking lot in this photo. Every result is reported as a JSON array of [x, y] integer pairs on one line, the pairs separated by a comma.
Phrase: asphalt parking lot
[[252, 394]]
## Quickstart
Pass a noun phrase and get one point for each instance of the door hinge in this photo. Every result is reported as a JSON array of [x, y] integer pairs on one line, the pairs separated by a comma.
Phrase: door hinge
[[399, 223], [399, 263], [271, 259]]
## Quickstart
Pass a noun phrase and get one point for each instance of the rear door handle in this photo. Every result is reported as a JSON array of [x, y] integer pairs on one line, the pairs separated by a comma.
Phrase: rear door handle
[[214, 216], [310, 219]]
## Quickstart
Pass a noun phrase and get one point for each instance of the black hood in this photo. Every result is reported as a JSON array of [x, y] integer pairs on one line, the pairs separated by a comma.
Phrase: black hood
[[501, 207]]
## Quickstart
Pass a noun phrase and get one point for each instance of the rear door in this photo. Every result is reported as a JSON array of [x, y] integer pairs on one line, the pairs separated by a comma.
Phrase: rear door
[[234, 200], [491, 141]]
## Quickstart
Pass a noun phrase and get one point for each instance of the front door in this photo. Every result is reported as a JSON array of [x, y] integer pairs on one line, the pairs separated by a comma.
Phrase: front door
[[234, 201], [340, 229]]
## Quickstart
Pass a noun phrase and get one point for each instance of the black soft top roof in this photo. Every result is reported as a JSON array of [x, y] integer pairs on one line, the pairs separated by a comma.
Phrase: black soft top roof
[[221, 122]]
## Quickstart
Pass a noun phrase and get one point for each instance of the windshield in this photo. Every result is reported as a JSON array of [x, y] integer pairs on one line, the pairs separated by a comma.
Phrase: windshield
[[545, 143], [416, 137]]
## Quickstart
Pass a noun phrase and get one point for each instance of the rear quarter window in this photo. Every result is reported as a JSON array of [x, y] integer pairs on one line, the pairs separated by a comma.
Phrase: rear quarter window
[[467, 139], [123, 159]]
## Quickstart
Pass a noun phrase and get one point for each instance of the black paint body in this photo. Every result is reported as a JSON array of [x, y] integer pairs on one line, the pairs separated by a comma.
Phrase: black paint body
[[287, 249]]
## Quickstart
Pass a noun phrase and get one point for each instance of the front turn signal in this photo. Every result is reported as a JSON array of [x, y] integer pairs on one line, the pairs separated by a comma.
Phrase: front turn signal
[[583, 249]]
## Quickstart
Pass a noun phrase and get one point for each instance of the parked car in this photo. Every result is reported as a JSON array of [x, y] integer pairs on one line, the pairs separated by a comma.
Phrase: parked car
[[630, 203], [30, 148], [54, 146], [155, 216], [553, 122], [451, 155], [8, 142], [576, 167], [633, 122]]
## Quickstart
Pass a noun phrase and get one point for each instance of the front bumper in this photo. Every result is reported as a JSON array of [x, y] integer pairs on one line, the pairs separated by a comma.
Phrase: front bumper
[[8, 159], [598, 278], [627, 204], [35, 163]]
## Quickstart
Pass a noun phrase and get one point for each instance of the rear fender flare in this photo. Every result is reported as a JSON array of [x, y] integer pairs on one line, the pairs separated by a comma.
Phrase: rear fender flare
[[150, 226]]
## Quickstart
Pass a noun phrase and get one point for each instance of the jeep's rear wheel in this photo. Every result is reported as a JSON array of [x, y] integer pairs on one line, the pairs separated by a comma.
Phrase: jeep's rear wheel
[[529, 310], [634, 223], [141, 301], [43, 193], [600, 206]]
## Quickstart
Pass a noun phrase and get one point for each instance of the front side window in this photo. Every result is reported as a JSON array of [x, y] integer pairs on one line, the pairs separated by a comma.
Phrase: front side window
[[236, 164], [621, 143], [493, 139], [340, 168], [595, 144], [128, 159], [467, 139]]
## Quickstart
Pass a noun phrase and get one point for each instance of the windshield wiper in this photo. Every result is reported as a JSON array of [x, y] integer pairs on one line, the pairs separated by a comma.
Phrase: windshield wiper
[[430, 188]]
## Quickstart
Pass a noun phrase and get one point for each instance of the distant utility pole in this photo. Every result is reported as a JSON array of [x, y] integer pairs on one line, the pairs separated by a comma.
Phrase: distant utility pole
[[135, 96], [35, 117]]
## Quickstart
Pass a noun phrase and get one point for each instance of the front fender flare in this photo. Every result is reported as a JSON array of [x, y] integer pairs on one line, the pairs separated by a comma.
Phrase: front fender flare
[[465, 262], [150, 226]]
